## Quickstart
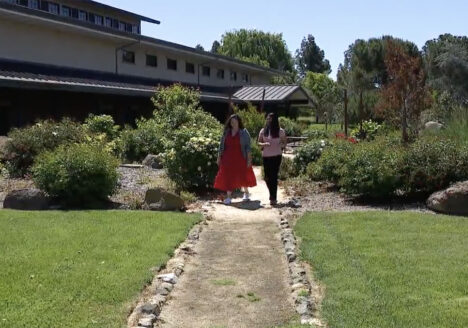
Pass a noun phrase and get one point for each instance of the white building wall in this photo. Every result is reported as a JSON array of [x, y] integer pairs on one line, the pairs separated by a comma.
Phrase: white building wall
[[32, 40]]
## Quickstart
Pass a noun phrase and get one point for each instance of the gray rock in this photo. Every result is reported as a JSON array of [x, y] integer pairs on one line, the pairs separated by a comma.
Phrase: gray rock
[[150, 308], [453, 200], [162, 291], [152, 161], [169, 277], [27, 199], [147, 321], [167, 286], [302, 308], [433, 126], [160, 200]]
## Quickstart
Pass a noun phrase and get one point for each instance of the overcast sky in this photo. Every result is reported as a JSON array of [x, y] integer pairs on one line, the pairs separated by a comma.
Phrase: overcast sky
[[334, 23]]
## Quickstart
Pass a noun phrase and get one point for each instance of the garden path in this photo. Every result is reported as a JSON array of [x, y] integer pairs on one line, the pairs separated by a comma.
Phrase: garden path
[[239, 275]]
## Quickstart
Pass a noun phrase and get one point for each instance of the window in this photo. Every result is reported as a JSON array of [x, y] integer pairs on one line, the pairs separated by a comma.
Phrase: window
[[233, 76], [66, 11], [44, 5], [172, 64], [74, 13], [190, 68], [82, 15], [135, 29], [245, 78], [121, 26], [206, 71], [53, 8], [91, 18], [115, 23], [151, 60], [98, 20], [34, 4], [128, 57], [23, 3], [220, 74], [108, 22]]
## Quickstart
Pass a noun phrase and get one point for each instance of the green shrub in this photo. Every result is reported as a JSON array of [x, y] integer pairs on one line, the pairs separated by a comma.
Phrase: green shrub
[[313, 133], [370, 129], [287, 169], [257, 158], [327, 167], [371, 170], [432, 163], [147, 138], [78, 175], [191, 160], [291, 128], [307, 154], [253, 120], [102, 124], [26, 143]]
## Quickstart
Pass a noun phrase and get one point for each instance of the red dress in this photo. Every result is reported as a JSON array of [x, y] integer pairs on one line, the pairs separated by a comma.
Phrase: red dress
[[233, 172]]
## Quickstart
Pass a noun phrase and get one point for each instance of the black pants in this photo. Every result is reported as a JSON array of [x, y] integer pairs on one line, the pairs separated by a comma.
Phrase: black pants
[[271, 167]]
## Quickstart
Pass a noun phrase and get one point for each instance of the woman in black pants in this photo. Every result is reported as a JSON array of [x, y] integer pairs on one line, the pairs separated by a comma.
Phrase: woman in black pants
[[272, 140]]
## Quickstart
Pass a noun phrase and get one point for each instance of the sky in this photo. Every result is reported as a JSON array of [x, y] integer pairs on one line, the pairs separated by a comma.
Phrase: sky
[[335, 24]]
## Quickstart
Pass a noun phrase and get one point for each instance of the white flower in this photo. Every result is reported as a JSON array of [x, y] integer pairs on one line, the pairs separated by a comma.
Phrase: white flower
[[55, 133], [199, 168], [209, 163]]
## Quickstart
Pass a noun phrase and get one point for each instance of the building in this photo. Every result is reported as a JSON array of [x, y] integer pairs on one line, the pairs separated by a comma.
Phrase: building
[[72, 57]]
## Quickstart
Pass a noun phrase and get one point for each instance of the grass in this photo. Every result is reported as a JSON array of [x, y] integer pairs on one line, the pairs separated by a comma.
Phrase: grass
[[384, 269], [81, 269], [224, 282]]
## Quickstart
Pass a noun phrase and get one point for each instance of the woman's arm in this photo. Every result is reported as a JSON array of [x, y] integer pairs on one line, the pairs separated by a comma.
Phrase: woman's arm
[[261, 142]]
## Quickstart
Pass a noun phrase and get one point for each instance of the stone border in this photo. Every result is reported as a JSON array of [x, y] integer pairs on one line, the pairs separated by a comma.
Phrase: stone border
[[301, 288], [149, 306]]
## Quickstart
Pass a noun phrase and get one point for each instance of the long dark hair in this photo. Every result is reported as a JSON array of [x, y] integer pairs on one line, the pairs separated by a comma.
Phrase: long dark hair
[[272, 129], [227, 126]]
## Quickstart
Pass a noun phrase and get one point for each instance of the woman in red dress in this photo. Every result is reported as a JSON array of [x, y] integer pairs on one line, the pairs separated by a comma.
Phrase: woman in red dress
[[235, 160]]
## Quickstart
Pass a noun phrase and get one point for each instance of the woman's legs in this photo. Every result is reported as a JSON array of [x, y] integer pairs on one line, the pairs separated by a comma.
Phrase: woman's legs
[[271, 168]]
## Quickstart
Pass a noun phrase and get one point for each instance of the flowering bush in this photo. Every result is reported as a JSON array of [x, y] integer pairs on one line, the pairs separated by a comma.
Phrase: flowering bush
[[342, 136], [26, 143], [191, 159], [308, 153], [369, 130], [253, 120], [313, 133], [78, 175]]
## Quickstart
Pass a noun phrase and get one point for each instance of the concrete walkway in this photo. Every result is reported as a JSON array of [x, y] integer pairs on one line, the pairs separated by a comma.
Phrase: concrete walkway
[[239, 275]]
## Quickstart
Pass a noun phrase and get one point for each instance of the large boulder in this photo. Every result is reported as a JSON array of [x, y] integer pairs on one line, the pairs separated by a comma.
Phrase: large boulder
[[27, 200], [152, 161], [433, 126], [453, 200], [160, 200]]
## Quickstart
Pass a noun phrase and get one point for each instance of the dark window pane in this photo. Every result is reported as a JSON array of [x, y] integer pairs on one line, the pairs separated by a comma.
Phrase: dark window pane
[[206, 71], [220, 74], [172, 64], [233, 76], [151, 61], [128, 57], [190, 68]]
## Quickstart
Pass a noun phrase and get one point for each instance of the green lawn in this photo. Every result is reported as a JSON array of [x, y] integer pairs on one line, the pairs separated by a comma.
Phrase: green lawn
[[80, 269], [383, 269]]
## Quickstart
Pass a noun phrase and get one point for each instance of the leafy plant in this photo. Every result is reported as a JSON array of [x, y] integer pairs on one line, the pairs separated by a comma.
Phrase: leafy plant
[[78, 175], [291, 128], [308, 153], [102, 124], [26, 143]]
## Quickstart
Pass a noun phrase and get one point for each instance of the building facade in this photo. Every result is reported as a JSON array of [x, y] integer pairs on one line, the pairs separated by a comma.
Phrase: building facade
[[72, 57]]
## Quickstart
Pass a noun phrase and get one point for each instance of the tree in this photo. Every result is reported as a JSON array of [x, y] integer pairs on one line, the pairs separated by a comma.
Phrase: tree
[[324, 94], [257, 47], [367, 72], [405, 94], [446, 61], [199, 47], [215, 47], [310, 58]]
